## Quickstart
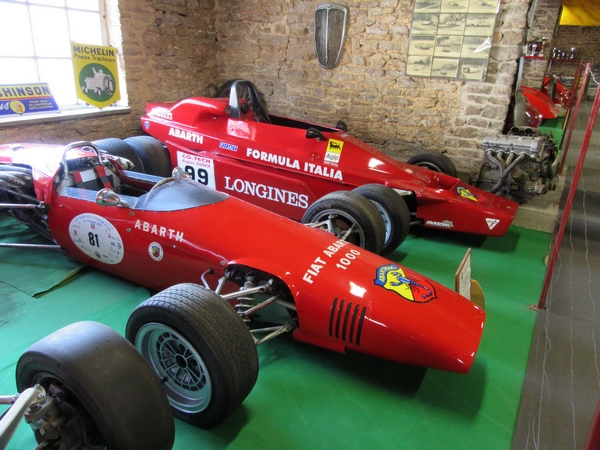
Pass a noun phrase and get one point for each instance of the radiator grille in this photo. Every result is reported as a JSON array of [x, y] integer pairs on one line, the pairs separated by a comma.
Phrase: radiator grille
[[330, 30]]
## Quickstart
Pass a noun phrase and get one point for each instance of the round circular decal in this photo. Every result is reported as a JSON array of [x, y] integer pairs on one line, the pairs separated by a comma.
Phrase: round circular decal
[[156, 251], [97, 82], [17, 106], [97, 237]]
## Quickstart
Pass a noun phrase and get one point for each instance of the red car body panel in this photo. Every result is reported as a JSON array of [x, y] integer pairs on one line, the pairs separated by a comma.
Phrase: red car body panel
[[541, 102], [346, 298], [276, 167], [558, 92]]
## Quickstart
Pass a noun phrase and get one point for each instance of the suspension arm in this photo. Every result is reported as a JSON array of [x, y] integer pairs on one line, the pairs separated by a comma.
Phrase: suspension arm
[[12, 418]]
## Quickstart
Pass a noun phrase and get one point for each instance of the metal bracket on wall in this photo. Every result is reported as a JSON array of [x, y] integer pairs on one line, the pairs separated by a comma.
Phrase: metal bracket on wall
[[330, 31]]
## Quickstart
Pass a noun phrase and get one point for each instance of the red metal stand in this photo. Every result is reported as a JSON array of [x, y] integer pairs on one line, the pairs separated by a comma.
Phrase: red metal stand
[[571, 116], [593, 439], [562, 224]]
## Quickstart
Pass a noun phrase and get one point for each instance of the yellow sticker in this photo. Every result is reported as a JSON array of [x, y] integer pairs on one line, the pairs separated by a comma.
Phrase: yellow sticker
[[96, 74], [464, 192], [334, 150]]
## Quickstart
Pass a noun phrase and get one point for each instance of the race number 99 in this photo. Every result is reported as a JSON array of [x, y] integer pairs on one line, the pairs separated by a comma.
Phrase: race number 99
[[197, 174], [199, 168]]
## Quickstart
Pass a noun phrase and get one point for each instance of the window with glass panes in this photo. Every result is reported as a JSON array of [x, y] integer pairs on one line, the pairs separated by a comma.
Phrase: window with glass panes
[[35, 41]]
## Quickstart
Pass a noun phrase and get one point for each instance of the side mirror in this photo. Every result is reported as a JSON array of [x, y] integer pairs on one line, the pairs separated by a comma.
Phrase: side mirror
[[108, 197], [313, 133], [341, 125]]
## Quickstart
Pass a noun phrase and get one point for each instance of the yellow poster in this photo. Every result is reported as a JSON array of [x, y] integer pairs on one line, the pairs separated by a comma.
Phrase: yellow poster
[[96, 74]]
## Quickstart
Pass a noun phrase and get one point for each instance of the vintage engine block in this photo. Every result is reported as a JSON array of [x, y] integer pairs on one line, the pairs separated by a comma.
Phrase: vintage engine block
[[520, 164]]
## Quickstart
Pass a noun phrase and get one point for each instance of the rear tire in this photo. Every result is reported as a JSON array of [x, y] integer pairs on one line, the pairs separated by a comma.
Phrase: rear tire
[[154, 156], [200, 348], [339, 211], [118, 147], [434, 161], [393, 210], [110, 394]]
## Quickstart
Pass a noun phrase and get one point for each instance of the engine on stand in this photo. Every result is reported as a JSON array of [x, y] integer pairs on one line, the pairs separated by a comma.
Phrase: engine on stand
[[520, 164]]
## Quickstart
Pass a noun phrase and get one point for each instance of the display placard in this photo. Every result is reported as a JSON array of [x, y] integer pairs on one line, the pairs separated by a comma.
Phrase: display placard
[[462, 278], [451, 38]]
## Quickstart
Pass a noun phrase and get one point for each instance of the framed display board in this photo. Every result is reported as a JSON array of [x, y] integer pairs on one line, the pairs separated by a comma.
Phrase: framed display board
[[451, 38]]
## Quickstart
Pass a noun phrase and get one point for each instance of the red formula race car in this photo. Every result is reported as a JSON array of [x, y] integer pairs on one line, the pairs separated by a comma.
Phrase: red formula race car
[[167, 233], [291, 167]]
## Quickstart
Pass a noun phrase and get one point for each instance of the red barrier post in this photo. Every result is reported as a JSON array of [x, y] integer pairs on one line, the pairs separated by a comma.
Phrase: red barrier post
[[562, 225]]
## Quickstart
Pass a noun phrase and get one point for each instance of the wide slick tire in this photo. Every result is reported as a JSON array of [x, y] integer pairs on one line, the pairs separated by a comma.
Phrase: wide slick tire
[[153, 154], [434, 161], [339, 211], [200, 348], [393, 210], [105, 388], [118, 147]]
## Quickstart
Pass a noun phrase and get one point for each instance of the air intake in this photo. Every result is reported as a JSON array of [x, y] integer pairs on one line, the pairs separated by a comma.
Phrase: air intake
[[346, 321], [330, 30]]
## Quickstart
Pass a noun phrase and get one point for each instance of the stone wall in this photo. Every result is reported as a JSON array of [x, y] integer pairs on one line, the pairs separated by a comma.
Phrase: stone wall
[[168, 52], [271, 43], [543, 20], [174, 48]]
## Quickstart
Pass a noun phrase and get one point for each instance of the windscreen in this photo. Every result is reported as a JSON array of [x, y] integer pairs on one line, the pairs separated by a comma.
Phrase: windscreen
[[179, 194]]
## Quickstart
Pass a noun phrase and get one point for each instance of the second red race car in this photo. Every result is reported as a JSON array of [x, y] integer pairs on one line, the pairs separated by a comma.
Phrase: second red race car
[[297, 169]]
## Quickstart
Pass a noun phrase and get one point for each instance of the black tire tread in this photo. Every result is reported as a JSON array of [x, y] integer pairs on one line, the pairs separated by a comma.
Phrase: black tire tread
[[223, 331], [444, 163], [118, 147], [395, 207], [154, 156], [110, 378]]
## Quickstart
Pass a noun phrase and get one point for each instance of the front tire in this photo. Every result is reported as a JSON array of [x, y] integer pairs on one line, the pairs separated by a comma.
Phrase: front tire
[[393, 210], [103, 386], [340, 211], [200, 348], [154, 156], [434, 161]]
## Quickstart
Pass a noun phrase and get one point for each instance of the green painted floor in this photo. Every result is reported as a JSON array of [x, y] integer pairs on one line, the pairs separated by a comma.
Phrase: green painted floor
[[306, 397]]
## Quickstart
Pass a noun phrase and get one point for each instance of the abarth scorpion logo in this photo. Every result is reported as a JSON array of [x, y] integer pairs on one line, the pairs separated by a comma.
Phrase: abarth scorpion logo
[[464, 192], [415, 289]]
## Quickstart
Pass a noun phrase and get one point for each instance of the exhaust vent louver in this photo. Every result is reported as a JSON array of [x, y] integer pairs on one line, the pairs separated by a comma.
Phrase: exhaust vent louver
[[346, 321], [330, 30]]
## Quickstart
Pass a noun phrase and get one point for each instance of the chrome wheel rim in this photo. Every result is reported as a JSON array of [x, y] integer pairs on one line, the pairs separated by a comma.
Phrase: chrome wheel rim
[[338, 222], [180, 367]]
